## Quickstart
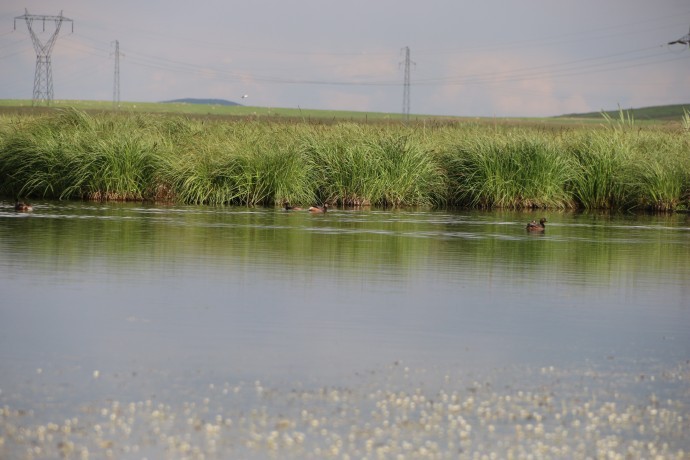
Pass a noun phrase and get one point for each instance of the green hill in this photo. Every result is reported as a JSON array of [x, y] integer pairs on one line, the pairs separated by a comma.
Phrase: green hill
[[190, 100], [658, 112]]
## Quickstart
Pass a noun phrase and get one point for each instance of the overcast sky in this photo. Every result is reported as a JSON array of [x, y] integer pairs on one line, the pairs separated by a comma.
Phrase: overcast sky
[[469, 58]]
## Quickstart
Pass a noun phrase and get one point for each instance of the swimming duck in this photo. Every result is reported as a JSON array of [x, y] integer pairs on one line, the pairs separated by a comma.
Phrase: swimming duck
[[23, 207], [319, 209], [537, 227], [291, 208]]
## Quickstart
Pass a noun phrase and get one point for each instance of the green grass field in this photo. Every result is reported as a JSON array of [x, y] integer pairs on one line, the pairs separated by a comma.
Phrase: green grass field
[[8, 106], [342, 158], [207, 110]]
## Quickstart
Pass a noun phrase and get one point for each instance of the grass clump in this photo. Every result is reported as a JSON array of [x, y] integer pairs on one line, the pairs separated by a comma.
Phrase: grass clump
[[514, 170], [660, 173], [115, 166], [602, 178], [248, 165], [621, 167], [359, 166], [74, 155]]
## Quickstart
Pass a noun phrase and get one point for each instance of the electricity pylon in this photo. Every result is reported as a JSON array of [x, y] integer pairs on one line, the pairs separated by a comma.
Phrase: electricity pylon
[[43, 78], [406, 86], [684, 40], [116, 77]]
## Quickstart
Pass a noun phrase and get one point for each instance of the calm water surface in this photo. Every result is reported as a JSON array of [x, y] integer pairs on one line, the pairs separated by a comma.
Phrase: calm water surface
[[131, 301]]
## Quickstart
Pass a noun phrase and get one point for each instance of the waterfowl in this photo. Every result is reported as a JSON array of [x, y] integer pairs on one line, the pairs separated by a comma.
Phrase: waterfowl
[[537, 227], [319, 209], [23, 207], [291, 208]]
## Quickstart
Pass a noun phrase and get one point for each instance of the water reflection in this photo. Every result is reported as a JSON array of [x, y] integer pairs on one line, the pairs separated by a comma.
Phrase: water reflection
[[259, 292]]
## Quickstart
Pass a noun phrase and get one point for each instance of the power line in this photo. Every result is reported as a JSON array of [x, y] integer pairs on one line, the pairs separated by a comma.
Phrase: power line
[[604, 63], [43, 77], [562, 69]]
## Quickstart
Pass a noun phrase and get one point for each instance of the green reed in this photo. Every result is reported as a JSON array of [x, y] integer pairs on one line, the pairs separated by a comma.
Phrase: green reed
[[621, 167], [355, 165], [603, 169], [76, 156], [660, 172], [516, 170], [135, 157], [249, 164]]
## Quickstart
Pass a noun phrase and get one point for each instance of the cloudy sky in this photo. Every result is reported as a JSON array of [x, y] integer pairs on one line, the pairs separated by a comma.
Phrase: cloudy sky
[[469, 58]]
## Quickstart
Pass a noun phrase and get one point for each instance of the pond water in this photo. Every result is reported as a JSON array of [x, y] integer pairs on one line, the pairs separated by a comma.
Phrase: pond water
[[140, 331]]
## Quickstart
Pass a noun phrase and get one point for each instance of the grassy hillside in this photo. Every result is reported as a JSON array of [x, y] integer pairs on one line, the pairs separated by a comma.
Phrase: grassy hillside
[[190, 100], [656, 113]]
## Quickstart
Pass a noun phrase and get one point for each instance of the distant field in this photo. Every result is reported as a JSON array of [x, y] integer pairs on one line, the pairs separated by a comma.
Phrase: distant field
[[292, 114], [219, 110]]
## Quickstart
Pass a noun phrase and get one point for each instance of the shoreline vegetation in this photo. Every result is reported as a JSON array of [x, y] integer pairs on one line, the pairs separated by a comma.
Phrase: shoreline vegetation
[[615, 165]]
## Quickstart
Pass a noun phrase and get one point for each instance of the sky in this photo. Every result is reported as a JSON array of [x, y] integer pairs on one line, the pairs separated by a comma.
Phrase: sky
[[485, 58]]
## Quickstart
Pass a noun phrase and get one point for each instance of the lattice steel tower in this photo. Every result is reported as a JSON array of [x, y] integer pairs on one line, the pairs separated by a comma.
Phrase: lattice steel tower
[[116, 77], [406, 85], [43, 78], [684, 40]]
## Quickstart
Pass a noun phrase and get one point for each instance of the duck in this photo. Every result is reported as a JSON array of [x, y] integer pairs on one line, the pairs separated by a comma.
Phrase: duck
[[287, 207], [537, 227], [319, 209], [23, 207]]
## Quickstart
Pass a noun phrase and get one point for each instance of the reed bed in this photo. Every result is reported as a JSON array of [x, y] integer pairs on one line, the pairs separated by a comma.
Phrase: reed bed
[[516, 170], [353, 165], [248, 164], [72, 155]]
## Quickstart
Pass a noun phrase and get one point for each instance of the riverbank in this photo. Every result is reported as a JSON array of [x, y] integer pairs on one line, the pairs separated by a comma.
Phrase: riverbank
[[75, 155]]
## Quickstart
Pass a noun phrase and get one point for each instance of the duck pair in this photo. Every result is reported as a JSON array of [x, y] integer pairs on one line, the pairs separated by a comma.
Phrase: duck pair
[[537, 227], [313, 209], [23, 207]]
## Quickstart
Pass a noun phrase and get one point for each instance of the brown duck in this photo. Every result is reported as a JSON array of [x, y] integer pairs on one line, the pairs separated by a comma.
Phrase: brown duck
[[319, 209], [292, 208], [23, 207], [537, 227]]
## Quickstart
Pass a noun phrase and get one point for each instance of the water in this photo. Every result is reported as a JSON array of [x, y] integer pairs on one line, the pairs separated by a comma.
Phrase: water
[[132, 302]]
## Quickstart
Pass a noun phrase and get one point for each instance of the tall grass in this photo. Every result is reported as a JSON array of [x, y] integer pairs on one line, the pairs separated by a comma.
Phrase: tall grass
[[355, 165], [135, 157], [602, 175], [621, 167], [518, 170], [249, 164], [660, 172], [76, 156]]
